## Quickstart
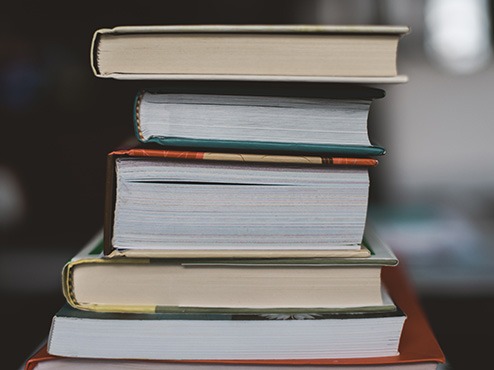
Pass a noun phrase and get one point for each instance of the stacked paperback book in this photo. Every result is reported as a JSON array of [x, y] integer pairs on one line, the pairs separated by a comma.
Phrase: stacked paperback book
[[235, 233]]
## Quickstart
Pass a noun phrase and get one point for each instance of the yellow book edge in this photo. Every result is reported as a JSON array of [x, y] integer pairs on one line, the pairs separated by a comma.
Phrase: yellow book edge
[[67, 288]]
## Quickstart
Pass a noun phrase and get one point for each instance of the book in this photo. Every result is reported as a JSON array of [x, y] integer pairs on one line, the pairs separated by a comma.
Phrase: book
[[41, 360], [324, 119], [221, 336], [164, 200], [201, 284], [321, 53], [417, 343]]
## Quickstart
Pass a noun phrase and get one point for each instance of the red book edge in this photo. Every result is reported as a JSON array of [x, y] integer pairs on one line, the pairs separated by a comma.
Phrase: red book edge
[[417, 343], [181, 154]]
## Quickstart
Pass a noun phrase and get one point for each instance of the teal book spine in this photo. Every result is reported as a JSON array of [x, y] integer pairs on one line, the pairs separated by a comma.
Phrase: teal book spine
[[267, 147]]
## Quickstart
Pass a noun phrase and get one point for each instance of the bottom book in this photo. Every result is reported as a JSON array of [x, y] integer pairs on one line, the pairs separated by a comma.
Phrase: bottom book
[[41, 360], [418, 348]]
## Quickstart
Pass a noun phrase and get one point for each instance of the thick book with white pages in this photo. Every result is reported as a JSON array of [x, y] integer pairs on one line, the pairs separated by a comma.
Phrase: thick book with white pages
[[157, 202]]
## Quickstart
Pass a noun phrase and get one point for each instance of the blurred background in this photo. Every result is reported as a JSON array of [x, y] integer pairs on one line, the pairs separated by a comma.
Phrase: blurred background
[[432, 196]]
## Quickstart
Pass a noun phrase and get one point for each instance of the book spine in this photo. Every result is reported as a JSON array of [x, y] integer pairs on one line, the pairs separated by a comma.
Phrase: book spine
[[108, 206], [93, 51], [285, 148]]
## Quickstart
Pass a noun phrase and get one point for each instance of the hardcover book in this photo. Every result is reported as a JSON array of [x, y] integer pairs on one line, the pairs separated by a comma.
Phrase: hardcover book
[[321, 53], [298, 119], [164, 200], [192, 283], [44, 361]]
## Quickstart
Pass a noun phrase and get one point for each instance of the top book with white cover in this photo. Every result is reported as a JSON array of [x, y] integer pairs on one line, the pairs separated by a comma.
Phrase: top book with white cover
[[316, 53]]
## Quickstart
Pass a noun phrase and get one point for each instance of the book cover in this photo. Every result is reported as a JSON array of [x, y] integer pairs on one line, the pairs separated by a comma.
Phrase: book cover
[[41, 360], [356, 54], [111, 269], [260, 146]]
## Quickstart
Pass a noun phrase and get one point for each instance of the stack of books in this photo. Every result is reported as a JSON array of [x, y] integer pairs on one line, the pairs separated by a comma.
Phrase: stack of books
[[235, 233]]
